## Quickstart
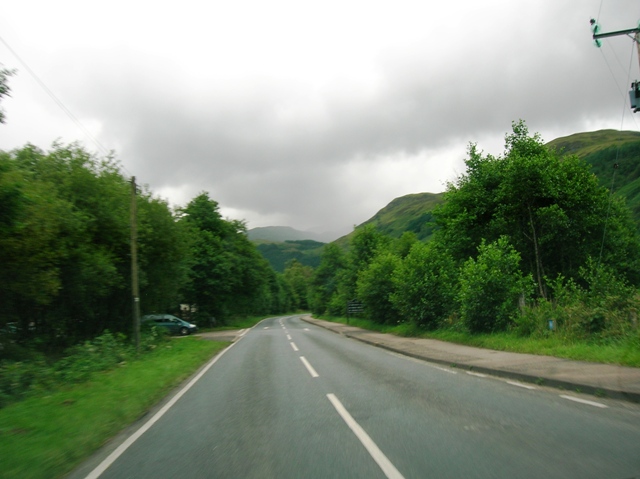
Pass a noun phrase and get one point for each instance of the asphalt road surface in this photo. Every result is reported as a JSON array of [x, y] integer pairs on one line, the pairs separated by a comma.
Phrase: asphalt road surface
[[291, 400]]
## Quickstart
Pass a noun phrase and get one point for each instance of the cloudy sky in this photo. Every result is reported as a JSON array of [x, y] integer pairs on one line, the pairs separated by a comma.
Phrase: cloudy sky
[[304, 113]]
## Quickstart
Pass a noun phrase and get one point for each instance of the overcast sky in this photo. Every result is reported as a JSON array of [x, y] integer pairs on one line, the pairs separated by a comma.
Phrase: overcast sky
[[305, 113]]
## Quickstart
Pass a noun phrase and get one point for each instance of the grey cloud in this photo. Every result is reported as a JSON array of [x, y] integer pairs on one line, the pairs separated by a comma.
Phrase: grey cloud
[[241, 149]]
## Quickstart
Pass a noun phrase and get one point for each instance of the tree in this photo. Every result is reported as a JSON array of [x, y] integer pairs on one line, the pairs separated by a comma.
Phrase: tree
[[227, 275], [324, 283], [425, 284], [4, 88], [490, 287], [375, 287], [552, 210], [299, 277]]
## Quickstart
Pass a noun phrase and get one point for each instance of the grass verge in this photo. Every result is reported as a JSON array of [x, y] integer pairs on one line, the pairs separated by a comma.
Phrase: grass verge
[[623, 353], [46, 437]]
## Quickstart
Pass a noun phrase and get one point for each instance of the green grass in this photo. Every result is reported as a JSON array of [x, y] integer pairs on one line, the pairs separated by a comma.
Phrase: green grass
[[46, 437], [624, 353]]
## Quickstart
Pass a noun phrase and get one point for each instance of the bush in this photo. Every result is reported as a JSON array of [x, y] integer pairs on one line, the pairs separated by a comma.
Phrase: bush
[[375, 287], [490, 287], [425, 286], [19, 379]]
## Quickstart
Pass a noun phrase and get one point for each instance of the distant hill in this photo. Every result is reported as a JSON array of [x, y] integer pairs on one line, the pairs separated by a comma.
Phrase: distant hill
[[605, 149], [407, 213], [307, 252], [286, 233], [602, 149]]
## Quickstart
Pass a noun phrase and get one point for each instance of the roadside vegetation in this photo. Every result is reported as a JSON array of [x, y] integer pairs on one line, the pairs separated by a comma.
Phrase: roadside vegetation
[[47, 435], [531, 254]]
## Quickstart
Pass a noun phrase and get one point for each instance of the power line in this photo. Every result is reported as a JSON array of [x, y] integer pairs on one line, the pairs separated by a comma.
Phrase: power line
[[57, 100]]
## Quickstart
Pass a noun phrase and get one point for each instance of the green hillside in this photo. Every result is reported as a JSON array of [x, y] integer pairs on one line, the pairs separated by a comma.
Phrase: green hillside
[[605, 149], [278, 254], [407, 213], [602, 149]]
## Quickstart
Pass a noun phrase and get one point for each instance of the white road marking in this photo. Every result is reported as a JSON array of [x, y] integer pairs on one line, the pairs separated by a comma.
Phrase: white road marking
[[289, 337], [584, 401], [312, 371], [443, 369], [422, 361], [480, 375], [306, 329], [520, 385], [385, 464], [266, 327], [243, 332], [293, 345], [111, 458]]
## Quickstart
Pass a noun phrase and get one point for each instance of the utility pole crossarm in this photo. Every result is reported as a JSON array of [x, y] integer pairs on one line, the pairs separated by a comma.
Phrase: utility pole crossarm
[[597, 36]]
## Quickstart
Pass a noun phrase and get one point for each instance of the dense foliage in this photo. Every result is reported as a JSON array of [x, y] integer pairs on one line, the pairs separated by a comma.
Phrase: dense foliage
[[65, 253], [522, 238]]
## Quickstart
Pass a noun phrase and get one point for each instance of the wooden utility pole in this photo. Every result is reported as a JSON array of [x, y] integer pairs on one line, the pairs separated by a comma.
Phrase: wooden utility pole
[[134, 264]]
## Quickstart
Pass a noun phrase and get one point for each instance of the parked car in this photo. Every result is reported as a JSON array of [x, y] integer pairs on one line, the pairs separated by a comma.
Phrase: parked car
[[172, 323]]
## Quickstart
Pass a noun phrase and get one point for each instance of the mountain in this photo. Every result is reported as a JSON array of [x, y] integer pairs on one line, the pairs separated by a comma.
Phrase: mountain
[[407, 213], [285, 233], [601, 149], [614, 157], [278, 254]]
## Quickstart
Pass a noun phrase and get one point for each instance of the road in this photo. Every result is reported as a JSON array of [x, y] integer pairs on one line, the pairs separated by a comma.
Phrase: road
[[290, 400]]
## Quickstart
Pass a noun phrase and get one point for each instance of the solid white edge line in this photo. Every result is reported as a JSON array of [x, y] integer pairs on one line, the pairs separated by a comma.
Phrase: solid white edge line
[[480, 375], [584, 401], [312, 371], [520, 385], [293, 345], [111, 458], [383, 462]]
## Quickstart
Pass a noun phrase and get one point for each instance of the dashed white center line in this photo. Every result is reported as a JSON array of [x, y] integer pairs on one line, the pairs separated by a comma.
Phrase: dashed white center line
[[306, 329], [312, 371], [584, 401], [289, 337], [293, 345], [480, 375], [385, 464], [443, 369], [520, 385], [266, 327]]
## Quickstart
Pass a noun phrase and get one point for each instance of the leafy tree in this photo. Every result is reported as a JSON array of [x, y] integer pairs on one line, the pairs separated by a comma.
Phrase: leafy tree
[[425, 284], [375, 287], [490, 287], [299, 277], [324, 283], [4, 88], [365, 244], [227, 275], [552, 209]]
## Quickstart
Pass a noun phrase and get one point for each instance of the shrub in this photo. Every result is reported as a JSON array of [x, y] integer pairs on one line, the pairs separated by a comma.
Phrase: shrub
[[425, 285], [375, 287], [19, 379], [490, 287]]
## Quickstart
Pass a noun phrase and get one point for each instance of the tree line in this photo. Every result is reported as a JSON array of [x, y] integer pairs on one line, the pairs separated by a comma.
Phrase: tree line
[[521, 239], [65, 272]]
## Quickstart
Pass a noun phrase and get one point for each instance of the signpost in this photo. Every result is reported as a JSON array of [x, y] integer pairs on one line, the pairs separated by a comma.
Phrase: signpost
[[354, 307]]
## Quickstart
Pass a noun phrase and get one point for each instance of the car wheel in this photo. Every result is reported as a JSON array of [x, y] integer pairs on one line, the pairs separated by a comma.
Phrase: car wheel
[[184, 331]]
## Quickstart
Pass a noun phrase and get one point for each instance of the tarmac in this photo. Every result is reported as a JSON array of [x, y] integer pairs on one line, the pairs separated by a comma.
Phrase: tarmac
[[606, 380]]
